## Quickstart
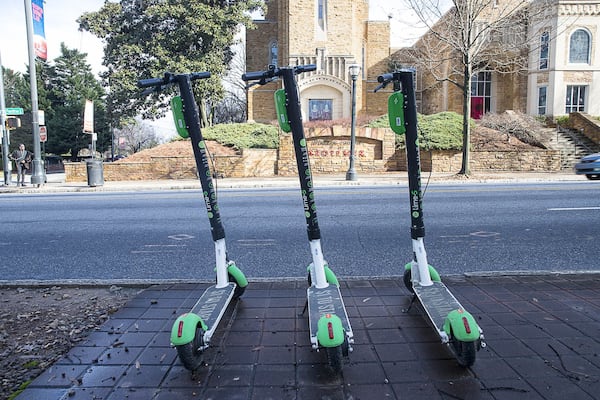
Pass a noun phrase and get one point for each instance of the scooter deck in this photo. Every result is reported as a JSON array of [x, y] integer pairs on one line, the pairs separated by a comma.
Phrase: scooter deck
[[438, 302], [322, 301], [212, 305]]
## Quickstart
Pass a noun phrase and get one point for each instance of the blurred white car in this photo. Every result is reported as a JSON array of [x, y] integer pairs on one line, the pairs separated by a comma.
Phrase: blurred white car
[[589, 166]]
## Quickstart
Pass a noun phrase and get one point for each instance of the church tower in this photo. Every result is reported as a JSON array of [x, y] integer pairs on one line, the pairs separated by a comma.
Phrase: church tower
[[333, 34]]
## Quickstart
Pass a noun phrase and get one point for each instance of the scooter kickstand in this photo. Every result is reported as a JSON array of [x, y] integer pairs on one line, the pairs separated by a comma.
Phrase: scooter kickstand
[[412, 301], [304, 309]]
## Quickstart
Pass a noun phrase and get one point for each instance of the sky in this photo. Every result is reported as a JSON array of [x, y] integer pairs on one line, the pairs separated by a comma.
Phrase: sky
[[60, 26]]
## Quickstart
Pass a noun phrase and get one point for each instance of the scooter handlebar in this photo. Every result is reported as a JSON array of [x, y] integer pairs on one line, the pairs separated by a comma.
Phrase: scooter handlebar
[[305, 68], [385, 77], [265, 76], [199, 75], [256, 76], [169, 78], [145, 83], [383, 80]]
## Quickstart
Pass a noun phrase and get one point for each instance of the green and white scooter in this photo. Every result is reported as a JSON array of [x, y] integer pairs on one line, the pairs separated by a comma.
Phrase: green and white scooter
[[192, 331], [328, 320], [455, 326]]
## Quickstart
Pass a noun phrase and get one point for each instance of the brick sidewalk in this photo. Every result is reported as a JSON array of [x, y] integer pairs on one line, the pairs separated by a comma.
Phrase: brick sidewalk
[[542, 332]]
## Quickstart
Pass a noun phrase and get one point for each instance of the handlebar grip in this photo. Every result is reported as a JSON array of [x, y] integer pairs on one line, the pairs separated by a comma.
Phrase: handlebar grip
[[144, 83], [306, 68], [199, 75], [254, 76], [385, 77]]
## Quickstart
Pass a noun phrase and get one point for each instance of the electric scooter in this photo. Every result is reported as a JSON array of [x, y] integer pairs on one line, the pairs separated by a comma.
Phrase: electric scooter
[[455, 326], [191, 333], [328, 320]]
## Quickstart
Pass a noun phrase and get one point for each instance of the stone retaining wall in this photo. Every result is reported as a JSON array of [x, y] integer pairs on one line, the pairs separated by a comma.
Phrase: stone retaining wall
[[587, 125], [329, 154]]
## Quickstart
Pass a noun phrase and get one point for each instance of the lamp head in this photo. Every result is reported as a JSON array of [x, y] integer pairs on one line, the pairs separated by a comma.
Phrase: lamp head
[[354, 70]]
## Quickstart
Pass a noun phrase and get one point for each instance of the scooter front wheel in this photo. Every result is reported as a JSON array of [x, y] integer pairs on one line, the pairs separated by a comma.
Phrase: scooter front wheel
[[465, 352], [190, 354], [407, 277]]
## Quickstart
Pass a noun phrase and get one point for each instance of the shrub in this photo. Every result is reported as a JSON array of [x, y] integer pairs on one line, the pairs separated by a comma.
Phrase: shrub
[[244, 135], [441, 131], [563, 121]]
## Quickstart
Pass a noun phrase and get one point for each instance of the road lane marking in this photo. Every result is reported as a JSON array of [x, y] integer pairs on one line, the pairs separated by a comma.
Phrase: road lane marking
[[573, 208], [256, 242]]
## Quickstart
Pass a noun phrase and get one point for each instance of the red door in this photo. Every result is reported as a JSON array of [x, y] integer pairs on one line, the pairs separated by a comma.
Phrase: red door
[[477, 107]]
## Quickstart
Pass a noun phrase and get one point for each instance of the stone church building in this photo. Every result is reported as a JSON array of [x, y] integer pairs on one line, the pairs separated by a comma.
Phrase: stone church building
[[561, 73], [333, 34]]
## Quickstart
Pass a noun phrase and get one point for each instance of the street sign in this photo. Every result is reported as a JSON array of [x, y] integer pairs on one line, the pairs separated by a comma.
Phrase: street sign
[[14, 111], [43, 134]]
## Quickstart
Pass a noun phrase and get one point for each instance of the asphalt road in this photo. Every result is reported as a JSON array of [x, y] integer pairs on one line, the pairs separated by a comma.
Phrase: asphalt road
[[365, 231]]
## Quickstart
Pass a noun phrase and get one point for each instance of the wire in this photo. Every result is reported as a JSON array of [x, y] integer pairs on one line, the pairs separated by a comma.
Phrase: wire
[[423, 191], [214, 173]]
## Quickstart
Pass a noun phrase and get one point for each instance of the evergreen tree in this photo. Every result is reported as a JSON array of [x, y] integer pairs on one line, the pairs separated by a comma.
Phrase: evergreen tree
[[70, 83]]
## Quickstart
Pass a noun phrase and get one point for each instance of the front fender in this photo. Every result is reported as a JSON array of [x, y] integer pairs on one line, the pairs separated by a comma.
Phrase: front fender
[[460, 324], [330, 331], [433, 274], [184, 328], [237, 274]]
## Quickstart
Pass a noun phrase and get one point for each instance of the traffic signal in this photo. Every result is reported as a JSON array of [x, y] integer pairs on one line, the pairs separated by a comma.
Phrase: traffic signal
[[13, 122]]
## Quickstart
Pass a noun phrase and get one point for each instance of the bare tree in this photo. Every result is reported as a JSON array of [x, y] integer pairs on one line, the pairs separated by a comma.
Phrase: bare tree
[[135, 136], [232, 108], [471, 37]]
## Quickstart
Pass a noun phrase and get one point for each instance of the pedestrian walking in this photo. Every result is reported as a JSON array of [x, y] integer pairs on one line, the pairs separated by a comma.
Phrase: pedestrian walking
[[22, 159]]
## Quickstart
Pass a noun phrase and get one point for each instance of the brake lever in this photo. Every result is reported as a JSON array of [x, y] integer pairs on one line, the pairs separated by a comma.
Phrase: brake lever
[[263, 81], [153, 89], [381, 86]]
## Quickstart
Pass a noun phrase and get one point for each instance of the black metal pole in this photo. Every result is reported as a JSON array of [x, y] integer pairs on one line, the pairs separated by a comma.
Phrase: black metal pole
[[412, 154], [190, 112], [351, 173], [301, 151]]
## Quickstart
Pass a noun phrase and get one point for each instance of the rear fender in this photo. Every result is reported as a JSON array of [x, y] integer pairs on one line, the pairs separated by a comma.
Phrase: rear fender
[[330, 331], [462, 326], [184, 328]]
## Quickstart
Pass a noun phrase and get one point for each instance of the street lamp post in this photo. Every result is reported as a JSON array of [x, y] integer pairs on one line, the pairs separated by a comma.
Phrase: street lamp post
[[354, 71]]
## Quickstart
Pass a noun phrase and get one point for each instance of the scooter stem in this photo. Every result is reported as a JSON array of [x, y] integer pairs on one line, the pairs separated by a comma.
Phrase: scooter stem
[[318, 264], [221, 259], [421, 259]]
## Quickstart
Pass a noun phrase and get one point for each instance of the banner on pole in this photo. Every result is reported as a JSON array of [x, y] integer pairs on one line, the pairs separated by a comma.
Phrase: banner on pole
[[39, 36], [88, 117]]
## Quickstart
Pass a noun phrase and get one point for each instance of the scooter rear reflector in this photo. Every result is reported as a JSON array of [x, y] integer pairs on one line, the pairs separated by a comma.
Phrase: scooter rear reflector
[[466, 324], [330, 330], [180, 329]]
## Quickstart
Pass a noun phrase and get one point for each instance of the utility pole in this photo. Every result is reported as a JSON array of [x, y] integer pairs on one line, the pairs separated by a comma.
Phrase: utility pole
[[6, 167], [38, 176]]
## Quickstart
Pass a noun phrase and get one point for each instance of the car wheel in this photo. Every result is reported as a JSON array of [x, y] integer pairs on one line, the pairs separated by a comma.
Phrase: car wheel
[[593, 177]]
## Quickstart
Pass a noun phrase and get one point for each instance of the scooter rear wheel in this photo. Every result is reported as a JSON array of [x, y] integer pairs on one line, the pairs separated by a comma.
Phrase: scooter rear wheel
[[190, 354], [465, 352], [334, 358]]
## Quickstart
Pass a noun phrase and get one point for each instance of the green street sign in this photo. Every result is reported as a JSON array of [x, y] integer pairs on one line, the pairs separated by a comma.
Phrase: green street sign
[[14, 111]]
